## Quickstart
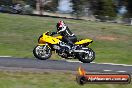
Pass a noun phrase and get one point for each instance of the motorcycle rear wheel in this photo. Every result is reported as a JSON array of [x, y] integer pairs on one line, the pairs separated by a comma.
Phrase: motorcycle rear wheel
[[42, 52], [87, 57]]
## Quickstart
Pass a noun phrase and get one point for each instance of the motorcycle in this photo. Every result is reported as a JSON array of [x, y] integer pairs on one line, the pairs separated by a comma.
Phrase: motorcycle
[[48, 43]]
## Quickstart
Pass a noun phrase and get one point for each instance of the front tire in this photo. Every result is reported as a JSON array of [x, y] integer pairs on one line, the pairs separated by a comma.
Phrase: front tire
[[42, 52], [87, 57]]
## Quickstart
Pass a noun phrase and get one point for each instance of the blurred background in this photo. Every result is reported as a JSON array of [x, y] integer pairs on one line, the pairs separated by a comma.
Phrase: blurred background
[[106, 22], [117, 11]]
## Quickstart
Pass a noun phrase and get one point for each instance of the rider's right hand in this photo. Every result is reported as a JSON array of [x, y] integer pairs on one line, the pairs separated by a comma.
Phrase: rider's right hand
[[53, 33]]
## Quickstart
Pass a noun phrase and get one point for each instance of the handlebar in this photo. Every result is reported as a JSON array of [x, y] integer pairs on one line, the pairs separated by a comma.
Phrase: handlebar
[[50, 33]]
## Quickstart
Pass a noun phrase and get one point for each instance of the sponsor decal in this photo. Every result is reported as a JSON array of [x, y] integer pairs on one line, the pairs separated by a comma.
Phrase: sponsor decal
[[107, 78]]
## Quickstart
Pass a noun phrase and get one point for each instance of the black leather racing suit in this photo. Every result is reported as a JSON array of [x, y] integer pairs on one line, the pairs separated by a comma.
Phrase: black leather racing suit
[[68, 36]]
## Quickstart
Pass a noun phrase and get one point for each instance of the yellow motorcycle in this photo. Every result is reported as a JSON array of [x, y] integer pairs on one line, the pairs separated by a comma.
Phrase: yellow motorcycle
[[49, 43]]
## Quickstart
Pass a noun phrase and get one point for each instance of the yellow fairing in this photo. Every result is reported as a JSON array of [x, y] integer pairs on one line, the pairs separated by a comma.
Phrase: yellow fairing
[[83, 41], [49, 39], [41, 44], [58, 37]]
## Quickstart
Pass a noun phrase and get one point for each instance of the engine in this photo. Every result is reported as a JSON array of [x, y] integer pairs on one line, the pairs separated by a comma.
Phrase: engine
[[56, 47], [63, 50]]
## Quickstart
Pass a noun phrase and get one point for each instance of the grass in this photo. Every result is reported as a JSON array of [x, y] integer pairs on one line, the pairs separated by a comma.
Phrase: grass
[[18, 36], [47, 80]]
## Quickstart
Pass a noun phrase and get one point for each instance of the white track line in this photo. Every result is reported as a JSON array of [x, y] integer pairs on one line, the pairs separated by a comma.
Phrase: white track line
[[120, 71], [73, 61], [5, 56], [115, 64], [76, 61], [100, 63], [107, 70], [92, 62]]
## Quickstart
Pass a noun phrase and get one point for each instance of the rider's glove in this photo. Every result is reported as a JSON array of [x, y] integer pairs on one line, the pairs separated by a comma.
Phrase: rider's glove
[[53, 33]]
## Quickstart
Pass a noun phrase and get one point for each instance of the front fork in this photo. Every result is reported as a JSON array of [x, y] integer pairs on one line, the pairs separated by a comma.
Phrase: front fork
[[44, 46]]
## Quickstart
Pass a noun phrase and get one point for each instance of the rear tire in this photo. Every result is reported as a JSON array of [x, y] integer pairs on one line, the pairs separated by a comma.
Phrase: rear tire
[[42, 53], [86, 57]]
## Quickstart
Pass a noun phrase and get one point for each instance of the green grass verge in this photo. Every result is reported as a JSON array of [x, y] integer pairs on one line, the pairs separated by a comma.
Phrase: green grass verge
[[47, 80], [18, 36]]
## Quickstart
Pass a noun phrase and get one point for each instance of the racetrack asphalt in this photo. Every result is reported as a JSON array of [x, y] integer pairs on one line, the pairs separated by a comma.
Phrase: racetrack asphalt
[[63, 65]]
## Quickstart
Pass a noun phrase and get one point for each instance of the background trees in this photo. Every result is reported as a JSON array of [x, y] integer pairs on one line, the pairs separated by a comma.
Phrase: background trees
[[77, 7], [97, 7], [129, 8], [103, 7], [52, 6], [5, 2], [31, 2]]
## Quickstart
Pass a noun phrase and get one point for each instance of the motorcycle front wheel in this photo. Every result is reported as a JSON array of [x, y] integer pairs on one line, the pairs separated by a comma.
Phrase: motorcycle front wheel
[[86, 57], [42, 52]]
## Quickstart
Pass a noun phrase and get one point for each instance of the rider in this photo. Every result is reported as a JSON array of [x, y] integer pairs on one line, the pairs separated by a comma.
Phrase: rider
[[68, 36]]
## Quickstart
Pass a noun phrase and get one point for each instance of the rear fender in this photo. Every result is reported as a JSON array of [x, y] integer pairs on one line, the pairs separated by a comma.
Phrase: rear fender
[[85, 42]]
